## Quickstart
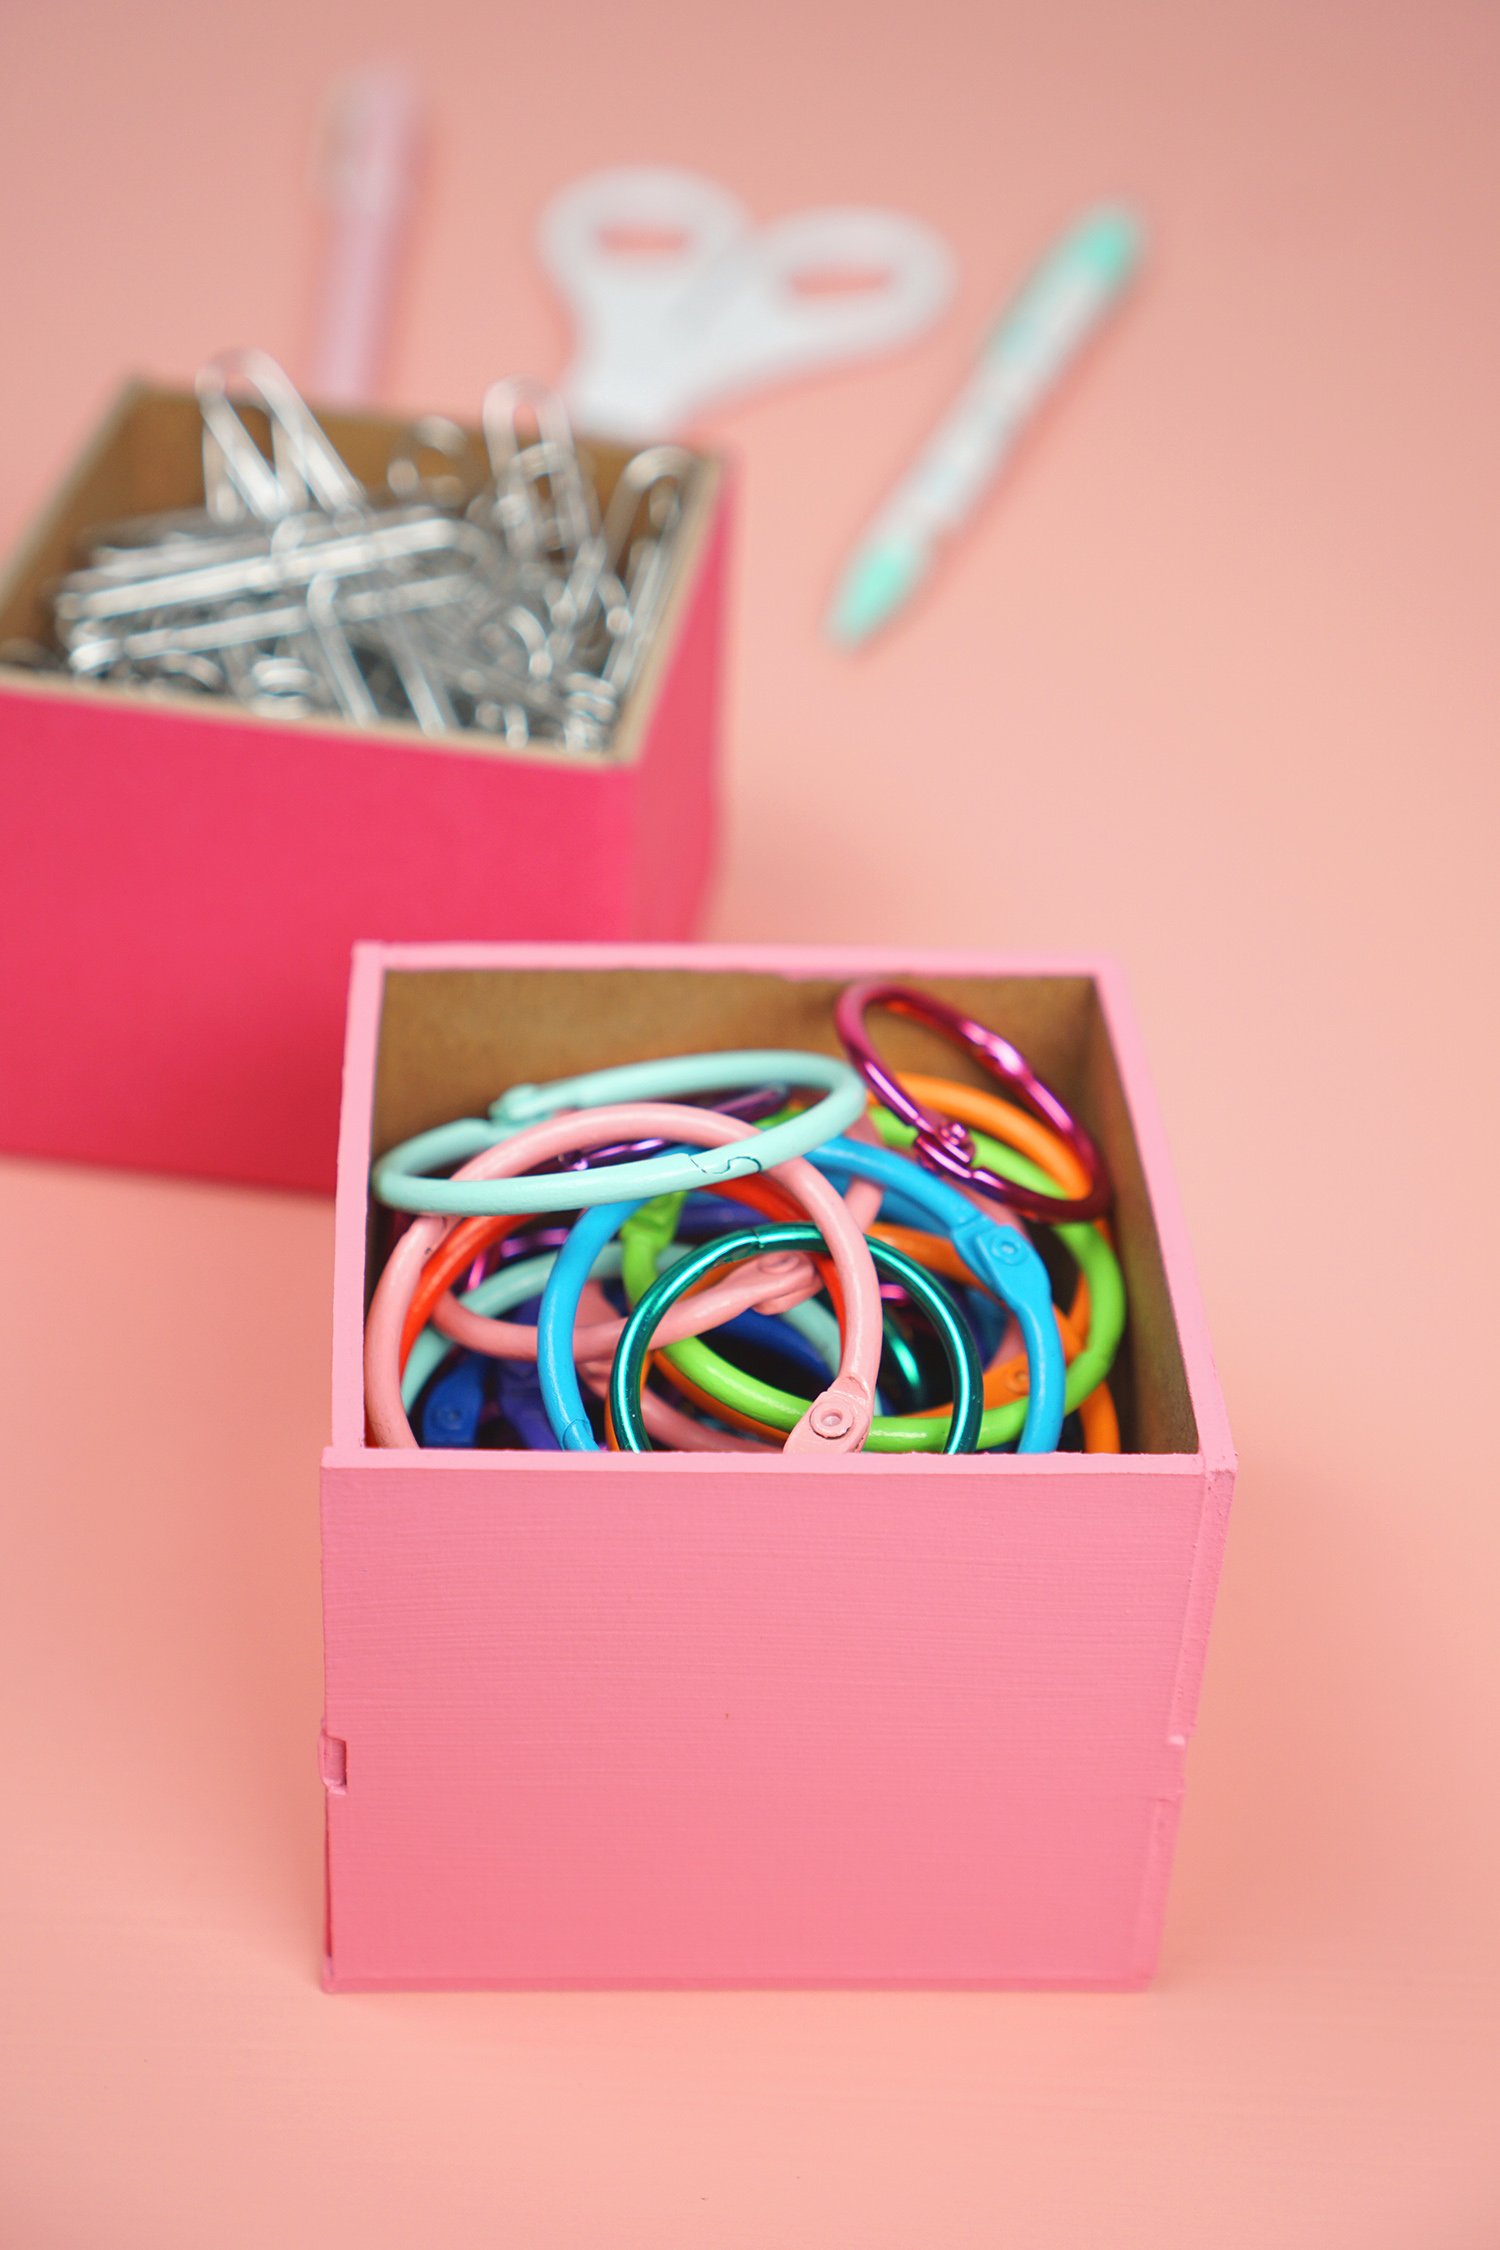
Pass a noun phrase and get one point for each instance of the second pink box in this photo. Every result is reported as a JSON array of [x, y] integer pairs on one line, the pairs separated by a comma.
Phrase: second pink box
[[181, 882]]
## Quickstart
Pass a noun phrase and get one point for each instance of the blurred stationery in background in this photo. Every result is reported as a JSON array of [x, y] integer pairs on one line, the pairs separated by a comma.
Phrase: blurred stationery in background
[[679, 300], [368, 159], [1030, 349]]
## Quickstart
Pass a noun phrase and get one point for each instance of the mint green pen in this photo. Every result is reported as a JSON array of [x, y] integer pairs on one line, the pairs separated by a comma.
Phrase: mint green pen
[[1030, 347]]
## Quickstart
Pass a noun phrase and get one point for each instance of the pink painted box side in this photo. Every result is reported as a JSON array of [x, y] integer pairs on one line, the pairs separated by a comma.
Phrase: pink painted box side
[[686, 1721], [672, 848], [684, 1726], [178, 898]]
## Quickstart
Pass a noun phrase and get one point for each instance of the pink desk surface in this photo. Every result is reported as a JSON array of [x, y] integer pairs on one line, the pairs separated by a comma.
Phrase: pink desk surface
[[1212, 689]]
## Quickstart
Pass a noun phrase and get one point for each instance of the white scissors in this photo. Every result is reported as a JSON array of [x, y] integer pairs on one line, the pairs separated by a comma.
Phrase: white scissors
[[680, 300]]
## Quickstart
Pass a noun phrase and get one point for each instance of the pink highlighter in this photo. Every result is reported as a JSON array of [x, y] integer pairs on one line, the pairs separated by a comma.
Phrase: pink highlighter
[[372, 138]]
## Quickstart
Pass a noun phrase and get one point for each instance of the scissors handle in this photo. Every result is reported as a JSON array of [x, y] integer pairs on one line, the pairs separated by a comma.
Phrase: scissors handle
[[700, 305], [628, 242], [824, 286]]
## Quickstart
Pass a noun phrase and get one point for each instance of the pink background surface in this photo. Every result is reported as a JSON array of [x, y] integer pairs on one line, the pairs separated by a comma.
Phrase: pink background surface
[[1213, 689]]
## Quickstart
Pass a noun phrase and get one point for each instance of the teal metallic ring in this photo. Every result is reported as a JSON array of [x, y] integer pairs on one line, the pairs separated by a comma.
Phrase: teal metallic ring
[[752, 1242]]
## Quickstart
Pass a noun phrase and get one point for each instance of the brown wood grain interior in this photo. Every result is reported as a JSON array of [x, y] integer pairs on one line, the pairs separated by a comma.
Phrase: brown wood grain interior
[[147, 456], [451, 1040]]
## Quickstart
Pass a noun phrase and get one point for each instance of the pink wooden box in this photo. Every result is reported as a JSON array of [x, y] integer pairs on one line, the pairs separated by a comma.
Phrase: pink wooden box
[[181, 883], [703, 1720]]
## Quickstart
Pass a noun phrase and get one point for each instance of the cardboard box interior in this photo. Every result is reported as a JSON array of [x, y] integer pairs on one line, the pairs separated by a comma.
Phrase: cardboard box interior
[[451, 1040], [147, 456]]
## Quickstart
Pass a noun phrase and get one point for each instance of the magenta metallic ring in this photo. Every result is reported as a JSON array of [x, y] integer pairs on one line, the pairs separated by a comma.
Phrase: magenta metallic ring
[[942, 1142]]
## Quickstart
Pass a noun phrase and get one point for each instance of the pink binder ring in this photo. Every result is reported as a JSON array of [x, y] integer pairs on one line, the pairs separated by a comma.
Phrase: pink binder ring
[[942, 1142]]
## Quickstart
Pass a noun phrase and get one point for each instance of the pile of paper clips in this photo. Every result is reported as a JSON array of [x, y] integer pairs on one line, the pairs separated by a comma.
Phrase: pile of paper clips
[[493, 594], [928, 1265]]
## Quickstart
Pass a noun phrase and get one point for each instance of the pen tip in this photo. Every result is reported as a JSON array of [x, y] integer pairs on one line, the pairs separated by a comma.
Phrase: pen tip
[[877, 585]]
